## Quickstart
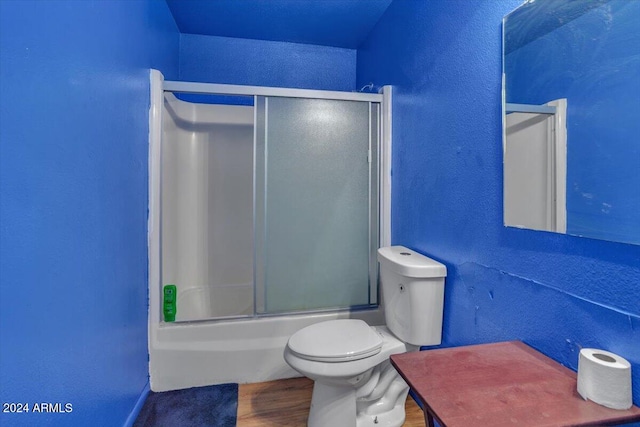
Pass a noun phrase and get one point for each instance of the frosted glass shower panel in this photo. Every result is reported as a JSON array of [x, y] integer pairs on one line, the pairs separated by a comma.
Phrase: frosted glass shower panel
[[317, 220]]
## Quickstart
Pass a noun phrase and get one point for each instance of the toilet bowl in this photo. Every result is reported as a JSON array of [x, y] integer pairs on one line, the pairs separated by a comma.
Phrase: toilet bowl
[[355, 385], [348, 389]]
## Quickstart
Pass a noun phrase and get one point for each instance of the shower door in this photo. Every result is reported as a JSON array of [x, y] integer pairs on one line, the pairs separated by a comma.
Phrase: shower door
[[268, 208], [316, 204]]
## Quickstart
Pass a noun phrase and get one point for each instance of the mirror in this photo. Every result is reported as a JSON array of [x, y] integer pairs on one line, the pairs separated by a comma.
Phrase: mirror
[[571, 103]]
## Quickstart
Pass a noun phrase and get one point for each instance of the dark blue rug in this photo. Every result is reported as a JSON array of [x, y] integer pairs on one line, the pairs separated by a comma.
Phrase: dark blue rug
[[212, 406]]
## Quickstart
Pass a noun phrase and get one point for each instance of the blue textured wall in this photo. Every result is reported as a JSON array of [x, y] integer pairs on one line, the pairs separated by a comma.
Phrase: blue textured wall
[[342, 23], [266, 63], [599, 74], [74, 84], [557, 293]]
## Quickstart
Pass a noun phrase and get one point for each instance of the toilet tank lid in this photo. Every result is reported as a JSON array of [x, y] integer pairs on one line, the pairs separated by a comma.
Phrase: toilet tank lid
[[410, 263]]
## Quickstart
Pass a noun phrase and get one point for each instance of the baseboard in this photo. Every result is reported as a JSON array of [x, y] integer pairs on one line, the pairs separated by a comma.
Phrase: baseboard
[[136, 409]]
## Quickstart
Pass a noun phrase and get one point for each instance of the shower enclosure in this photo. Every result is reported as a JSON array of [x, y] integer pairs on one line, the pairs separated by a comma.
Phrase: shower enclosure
[[265, 214]]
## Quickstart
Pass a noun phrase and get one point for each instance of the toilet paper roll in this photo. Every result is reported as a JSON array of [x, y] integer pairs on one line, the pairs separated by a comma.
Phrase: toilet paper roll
[[604, 378]]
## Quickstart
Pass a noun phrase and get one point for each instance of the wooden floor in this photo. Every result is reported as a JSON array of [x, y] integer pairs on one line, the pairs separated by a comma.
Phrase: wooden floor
[[286, 403]]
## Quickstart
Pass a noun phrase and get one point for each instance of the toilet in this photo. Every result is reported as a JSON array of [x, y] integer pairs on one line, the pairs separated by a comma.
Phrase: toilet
[[355, 384]]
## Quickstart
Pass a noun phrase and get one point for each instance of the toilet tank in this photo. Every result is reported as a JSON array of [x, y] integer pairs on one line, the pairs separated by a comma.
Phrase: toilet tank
[[413, 294]]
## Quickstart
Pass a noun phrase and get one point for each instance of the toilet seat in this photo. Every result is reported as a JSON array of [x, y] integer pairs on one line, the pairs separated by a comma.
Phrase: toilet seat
[[336, 341]]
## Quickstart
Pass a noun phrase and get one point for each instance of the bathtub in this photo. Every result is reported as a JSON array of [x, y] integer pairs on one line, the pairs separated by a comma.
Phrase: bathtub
[[192, 354]]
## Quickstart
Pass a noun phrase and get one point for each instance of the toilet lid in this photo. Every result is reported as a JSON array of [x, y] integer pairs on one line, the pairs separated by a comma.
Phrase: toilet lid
[[336, 341]]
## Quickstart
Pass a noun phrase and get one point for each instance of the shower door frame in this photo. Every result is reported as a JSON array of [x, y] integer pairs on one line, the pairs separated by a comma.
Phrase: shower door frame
[[159, 86]]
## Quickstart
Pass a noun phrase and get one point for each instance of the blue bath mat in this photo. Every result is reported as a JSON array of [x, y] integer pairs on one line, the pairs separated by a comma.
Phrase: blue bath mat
[[212, 406]]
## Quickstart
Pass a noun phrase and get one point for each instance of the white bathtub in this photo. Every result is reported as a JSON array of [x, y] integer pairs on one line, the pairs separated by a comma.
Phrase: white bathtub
[[238, 351]]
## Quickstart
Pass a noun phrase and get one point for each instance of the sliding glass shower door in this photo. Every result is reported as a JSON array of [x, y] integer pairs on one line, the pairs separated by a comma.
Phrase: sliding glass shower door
[[268, 208], [316, 187]]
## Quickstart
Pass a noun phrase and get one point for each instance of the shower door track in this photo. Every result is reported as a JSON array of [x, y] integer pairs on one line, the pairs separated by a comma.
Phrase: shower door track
[[224, 89]]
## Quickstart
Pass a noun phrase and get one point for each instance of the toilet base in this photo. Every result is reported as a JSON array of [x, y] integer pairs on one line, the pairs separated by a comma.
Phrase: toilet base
[[332, 405], [384, 406], [381, 405], [392, 418]]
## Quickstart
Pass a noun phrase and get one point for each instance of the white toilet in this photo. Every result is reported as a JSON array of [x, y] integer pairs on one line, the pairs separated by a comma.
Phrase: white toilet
[[354, 382]]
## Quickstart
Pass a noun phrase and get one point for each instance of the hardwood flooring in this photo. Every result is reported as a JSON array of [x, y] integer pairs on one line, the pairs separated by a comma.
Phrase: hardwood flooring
[[286, 403]]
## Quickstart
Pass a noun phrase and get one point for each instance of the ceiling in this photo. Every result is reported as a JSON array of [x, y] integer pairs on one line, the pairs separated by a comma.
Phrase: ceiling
[[339, 23]]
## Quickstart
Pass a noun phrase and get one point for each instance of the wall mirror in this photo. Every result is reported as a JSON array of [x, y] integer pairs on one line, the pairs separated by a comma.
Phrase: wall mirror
[[571, 103]]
